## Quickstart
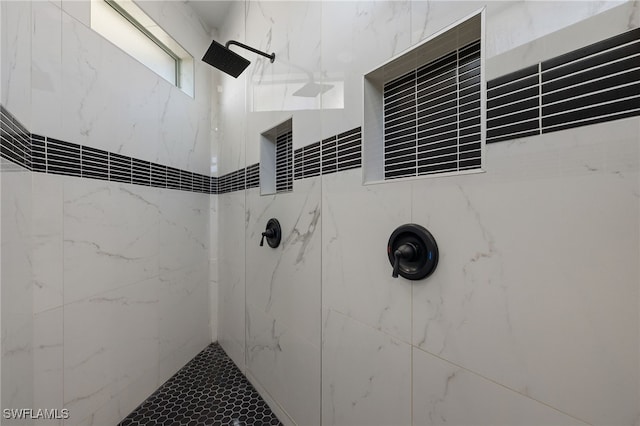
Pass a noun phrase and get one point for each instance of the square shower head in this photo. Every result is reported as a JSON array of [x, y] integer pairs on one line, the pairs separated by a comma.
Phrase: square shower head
[[225, 60]]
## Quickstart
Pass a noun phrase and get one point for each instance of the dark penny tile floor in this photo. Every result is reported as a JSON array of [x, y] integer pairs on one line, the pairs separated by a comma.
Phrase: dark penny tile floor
[[209, 390]]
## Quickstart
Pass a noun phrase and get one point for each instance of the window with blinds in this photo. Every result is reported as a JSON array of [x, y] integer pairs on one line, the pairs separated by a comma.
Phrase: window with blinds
[[432, 116]]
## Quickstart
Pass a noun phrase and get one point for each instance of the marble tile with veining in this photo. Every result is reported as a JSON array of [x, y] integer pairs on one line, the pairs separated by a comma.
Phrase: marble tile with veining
[[285, 281], [592, 29], [444, 393], [17, 287], [48, 365], [356, 271], [110, 236], [516, 23], [231, 297], [183, 229], [90, 95], [519, 272], [366, 374], [356, 38], [183, 311], [46, 70], [110, 340], [16, 59], [283, 299], [47, 249]]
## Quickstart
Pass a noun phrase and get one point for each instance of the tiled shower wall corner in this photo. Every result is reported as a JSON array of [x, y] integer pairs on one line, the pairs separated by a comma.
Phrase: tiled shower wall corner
[[105, 269], [525, 321]]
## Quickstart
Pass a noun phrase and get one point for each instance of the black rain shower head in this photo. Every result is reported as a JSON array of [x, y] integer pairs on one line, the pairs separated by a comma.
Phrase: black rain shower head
[[230, 62]]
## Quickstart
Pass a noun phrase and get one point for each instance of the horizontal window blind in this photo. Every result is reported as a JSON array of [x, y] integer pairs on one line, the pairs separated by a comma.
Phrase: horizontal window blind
[[432, 116]]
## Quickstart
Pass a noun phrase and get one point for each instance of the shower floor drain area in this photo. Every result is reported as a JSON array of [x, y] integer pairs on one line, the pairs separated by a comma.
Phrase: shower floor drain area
[[209, 390]]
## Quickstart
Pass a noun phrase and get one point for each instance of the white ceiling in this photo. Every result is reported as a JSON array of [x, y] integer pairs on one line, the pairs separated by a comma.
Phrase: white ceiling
[[211, 12]]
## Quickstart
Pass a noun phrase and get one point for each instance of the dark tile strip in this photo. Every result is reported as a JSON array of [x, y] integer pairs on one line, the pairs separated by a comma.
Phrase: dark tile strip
[[253, 176], [594, 84], [15, 141], [38, 154], [48, 155], [307, 161]]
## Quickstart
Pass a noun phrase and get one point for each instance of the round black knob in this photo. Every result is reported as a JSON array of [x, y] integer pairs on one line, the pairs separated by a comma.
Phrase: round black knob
[[412, 252], [273, 233]]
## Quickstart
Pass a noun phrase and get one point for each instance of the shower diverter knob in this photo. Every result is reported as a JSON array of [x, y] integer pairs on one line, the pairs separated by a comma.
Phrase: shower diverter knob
[[413, 252], [273, 233]]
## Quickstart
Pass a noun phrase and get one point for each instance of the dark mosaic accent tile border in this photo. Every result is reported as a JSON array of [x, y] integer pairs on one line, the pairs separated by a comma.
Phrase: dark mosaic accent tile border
[[306, 161], [349, 149], [214, 185], [234, 181], [15, 140], [48, 155], [333, 154], [253, 176], [209, 390], [593, 84]]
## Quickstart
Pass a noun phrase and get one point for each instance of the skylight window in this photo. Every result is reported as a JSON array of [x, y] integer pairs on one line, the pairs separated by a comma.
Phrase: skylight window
[[127, 26]]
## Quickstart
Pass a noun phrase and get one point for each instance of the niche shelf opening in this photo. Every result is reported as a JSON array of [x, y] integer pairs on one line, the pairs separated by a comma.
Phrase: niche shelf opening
[[276, 159], [424, 110]]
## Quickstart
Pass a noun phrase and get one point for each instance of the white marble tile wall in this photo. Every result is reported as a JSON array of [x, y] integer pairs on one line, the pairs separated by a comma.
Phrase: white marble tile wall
[[445, 393], [522, 283], [183, 238], [83, 84], [366, 374], [105, 286], [231, 273], [17, 289], [15, 70], [1, 323], [526, 320], [110, 339], [357, 37], [617, 20], [213, 267], [105, 243], [230, 95], [292, 31], [353, 270], [16, 283], [283, 299], [184, 316], [46, 69], [119, 339], [48, 361], [48, 295]]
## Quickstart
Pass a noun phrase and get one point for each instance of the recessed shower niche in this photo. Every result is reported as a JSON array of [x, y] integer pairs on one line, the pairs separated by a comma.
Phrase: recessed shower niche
[[276, 159], [424, 109]]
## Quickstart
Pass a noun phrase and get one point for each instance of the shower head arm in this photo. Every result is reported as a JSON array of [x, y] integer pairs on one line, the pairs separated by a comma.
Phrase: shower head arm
[[272, 57]]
